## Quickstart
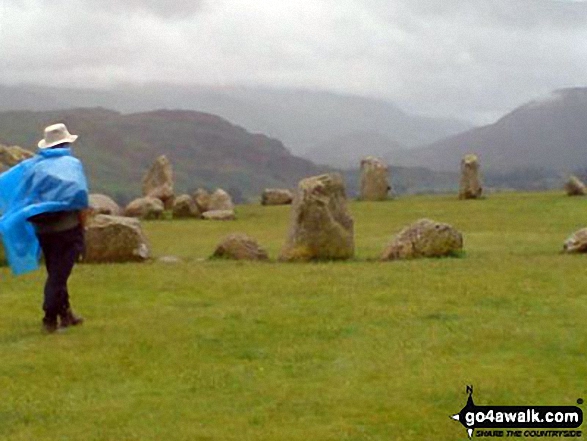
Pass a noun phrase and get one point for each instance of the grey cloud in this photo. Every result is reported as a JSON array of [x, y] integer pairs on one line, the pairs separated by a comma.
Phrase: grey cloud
[[473, 59], [165, 9], [519, 14], [479, 58], [161, 8]]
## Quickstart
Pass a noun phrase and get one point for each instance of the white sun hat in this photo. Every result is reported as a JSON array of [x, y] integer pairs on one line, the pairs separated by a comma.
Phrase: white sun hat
[[56, 134]]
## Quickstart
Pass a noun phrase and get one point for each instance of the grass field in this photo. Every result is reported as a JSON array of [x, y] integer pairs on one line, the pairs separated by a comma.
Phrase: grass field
[[358, 350]]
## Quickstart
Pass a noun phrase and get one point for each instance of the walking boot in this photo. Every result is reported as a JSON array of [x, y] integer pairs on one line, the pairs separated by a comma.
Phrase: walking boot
[[68, 318], [49, 325]]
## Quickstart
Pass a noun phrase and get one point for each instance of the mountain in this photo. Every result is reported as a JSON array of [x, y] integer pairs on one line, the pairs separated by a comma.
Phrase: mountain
[[347, 151], [545, 134], [205, 150], [301, 119]]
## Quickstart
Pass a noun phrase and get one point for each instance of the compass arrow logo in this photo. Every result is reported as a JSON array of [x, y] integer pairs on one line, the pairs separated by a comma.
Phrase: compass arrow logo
[[469, 407]]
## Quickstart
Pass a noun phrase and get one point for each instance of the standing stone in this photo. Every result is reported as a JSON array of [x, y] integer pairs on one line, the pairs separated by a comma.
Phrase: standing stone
[[424, 238], [220, 200], [202, 199], [374, 181], [115, 239], [574, 187], [470, 187], [145, 208], [321, 226], [158, 182], [10, 156], [102, 204], [239, 246], [185, 206], [276, 196], [577, 243]]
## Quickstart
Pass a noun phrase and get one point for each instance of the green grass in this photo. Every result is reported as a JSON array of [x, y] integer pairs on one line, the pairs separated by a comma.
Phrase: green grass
[[357, 350]]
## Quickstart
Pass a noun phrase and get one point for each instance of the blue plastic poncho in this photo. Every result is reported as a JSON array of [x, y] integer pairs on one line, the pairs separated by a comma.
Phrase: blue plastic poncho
[[52, 180]]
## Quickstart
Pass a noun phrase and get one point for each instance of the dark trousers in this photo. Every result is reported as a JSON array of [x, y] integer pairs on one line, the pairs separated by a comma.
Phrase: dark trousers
[[61, 250]]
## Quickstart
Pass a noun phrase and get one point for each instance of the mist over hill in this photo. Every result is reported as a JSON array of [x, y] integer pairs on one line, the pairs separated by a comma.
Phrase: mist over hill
[[548, 135], [301, 119], [346, 151]]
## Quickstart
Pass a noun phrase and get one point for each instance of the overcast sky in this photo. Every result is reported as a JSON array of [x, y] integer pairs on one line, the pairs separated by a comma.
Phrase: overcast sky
[[474, 59]]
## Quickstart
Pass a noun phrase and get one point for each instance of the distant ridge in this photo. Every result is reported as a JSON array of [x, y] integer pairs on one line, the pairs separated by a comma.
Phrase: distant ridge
[[301, 119], [549, 133], [205, 150]]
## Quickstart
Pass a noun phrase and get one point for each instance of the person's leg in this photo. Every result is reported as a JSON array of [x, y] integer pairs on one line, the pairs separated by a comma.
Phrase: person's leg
[[51, 302], [61, 251], [73, 244]]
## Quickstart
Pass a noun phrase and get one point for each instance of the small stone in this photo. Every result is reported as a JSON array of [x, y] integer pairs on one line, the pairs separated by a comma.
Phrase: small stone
[[184, 206], [577, 242], [574, 187], [202, 199], [221, 215], [239, 246], [424, 238], [145, 208], [115, 239], [276, 196], [102, 204], [220, 200], [10, 156]]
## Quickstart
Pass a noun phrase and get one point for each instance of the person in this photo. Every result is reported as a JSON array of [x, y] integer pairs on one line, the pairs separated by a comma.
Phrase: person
[[46, 212]]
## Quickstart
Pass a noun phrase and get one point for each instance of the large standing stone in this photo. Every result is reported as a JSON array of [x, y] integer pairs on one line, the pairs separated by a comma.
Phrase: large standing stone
[[10, 156], [239, 246], [424, 238], [577, 243], [158, 182], [470, 187], [220, 200], [574, 187], [102, 204], [202, 199], [321, 226], [374, 179], [185, 206], [115, 239], [276, 196], [145, 208]]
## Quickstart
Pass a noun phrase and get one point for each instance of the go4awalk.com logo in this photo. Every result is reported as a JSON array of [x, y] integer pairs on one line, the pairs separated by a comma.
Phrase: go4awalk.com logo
[[520, 421]]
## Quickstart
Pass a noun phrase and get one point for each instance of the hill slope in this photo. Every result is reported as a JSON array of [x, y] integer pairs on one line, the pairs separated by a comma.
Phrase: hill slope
[[347, 151], [545, 134], [302, 119], [204, 149]]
